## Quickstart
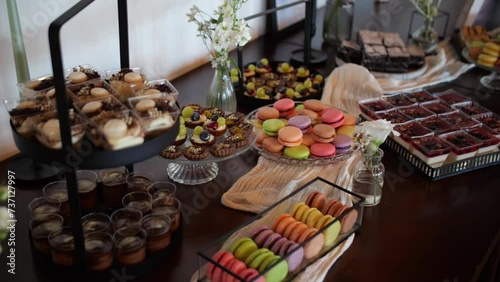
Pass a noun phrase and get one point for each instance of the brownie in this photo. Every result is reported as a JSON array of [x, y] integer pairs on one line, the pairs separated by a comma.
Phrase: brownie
[[350, 52], [374, 57], [370, 37], [417, 56], [399, 60], [392, 39]]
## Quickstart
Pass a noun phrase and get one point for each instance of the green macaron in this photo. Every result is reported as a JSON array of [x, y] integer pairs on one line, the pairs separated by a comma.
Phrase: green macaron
[[298, 152], [272, 126], [243, 248], [278, 271]]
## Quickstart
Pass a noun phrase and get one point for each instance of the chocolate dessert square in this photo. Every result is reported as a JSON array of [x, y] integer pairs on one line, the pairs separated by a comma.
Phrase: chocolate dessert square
[[417, 56], [399, 60], [370, 37], [350, 52], [374, 57], [392, 39]]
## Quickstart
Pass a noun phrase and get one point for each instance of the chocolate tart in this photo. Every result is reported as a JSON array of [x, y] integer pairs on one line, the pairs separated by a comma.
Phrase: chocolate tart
[[222, 149], [238, 140], [195, 153], [171, 152], [234, 119], [244, 128]]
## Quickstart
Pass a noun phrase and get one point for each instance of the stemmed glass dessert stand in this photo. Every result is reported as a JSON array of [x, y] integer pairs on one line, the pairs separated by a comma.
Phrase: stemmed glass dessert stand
[[491, 81]]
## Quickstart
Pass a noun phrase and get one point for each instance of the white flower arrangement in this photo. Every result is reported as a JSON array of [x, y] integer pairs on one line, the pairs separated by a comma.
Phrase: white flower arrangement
[[222, 32], [369, 135]]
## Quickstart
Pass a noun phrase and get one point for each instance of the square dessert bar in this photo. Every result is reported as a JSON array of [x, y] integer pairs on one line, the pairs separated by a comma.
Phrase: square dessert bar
[[490, 142], [399, 60], [462, 145], [472, 109], [492, 122], [350, 52], [417, 56], [374, 57], [392, 39], [431, 150], [370, 37]]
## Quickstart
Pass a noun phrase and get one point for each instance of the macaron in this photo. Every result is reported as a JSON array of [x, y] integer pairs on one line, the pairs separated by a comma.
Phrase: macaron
[[250, 274], [323, 150], [279, 219], [283, 224], [276, 247], [259, 259], [286, 107], [316, 199], [297, 232], [348, 220], [272, 126], [77, 77], [342, 143], [255, 232], [262, 237], [273, 238], [260, 136], [313, 218], [272, 145], [314, 105], [333, 117], [294, 255], [349, 119], [299, 152], [235, 266], [331, 207], [487, 60], [323, 133], [306, 214], [308, 140], [290, 136], [289, 230], [254, 255], [313, 247], [216, 258], [299, 207], [278, 271], [265, 113], [347, 130], [242, 248], [331, 232], [313, 116], [224, 259], [301, 122]]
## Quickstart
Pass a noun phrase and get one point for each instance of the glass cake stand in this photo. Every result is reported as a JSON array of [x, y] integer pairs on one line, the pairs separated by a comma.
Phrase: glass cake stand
[[185, 171], [491, 81]]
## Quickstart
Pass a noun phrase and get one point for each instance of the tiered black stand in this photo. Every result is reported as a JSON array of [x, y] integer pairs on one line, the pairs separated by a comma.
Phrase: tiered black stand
[[88, 156]]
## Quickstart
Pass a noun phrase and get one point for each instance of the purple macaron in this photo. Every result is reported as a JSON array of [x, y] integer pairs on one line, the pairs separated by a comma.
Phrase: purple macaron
[[342, 143], [278, 244], [262, 237], [301, 122], [271, 240], [294, 258], [258, 230]]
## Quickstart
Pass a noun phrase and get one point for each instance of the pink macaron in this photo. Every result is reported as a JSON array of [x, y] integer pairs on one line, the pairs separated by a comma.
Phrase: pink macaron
[[323, 150], [286, 107], [333, 117]]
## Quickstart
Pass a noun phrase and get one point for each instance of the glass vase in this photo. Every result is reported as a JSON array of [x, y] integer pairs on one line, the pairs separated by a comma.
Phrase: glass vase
[[221, 92], [369, 177], [426, 37], [337, 25]]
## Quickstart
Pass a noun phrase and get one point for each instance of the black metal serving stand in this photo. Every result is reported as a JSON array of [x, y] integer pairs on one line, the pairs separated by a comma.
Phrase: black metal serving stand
[[87, 156]]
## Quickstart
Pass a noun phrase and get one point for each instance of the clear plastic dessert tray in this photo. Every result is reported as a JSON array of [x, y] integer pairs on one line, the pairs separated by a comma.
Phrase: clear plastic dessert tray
[[269, 216]]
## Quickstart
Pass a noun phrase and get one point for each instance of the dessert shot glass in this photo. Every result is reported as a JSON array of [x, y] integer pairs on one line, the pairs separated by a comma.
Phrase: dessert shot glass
[[58, 190], [168, 206], [157, 227], [43, 206], [138, 200], [62, 246], [139, 181], [125, 217], [114, 186], [40, 228], [87, 190], [162, 189], [96, 222], [99, 251], [130, 245]]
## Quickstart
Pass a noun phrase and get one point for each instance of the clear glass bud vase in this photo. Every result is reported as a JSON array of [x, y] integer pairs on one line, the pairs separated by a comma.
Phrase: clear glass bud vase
[[221, 93], [337, 24], [369, 177]]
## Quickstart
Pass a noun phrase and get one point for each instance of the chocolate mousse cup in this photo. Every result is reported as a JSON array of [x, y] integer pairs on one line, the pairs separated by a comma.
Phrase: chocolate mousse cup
[[43, 206], [87, 190], [139, 181], [114, 186], [96, 222], [168, 206], [130, 245], [162, 189], [138, 200], [59, 191], [125, 217], [157, 227], [99, 251], [40, 227], [62, 246]]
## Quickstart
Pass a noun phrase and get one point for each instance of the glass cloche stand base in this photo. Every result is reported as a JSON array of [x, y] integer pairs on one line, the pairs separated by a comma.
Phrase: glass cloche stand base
[[491, 81]]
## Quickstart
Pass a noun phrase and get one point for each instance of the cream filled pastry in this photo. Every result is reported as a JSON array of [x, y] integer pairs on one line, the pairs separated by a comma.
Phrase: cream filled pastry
[[119, 129]]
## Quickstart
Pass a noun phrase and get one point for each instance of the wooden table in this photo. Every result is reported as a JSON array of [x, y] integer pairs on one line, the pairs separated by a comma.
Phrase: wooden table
[[421, 230]]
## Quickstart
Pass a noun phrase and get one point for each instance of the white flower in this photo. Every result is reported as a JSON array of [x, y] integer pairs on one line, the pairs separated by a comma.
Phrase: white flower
[[378, 130]]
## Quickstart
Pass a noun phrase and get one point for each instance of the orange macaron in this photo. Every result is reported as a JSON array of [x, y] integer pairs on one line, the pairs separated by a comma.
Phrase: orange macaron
[[314, 105], [323, 133], [272, 145], [290, 136], [265, 113]]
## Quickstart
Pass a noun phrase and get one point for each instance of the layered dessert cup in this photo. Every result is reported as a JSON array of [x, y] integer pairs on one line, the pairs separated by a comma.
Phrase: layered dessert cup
[[99, 107], [162, 189], [492, 122], [157, 112], [126, 82], [409, 131], [36, 86], [116, 130], [88, 91], [139, 181], [369, 107], [83, 73], [99, 251], [40, 228], [130, 245], [432, 150], [490, 142], [58, 190], [437, 125], [452, 97], [463, 145], [399, 100], [114, 186], [87, 190], [416, 112], [472, 109], [459, 120], [21, 108], [420, 96], [157, 87], [138, 200], [394, 116], [96, 222], [44, 206], [158, 235], [168, 206], [62, 246], [125, 217], [437, 107]]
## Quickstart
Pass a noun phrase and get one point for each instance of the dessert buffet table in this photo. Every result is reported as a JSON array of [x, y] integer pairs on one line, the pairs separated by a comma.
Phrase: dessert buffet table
[[421, 231]]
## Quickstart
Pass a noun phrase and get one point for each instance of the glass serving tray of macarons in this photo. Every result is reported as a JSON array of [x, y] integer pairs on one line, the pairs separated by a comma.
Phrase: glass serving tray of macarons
[[283, 240], [308, 132]]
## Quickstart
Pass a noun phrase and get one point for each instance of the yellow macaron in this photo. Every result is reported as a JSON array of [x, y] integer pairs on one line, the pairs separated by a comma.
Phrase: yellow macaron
[[487, 58], [481, 62], [491, 52], [493, 46]]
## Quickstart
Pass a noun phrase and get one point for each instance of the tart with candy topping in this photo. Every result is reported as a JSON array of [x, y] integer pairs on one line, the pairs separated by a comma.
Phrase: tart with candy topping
[[234, 119], [195, 153], [222, 150], [244, 128], [171, 152], [238, 140]]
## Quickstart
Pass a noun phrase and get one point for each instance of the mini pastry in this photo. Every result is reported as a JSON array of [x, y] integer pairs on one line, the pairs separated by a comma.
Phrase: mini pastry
[[342, 143], [323, 133], [290, 136], [301, 152], [289, 77], [263, 66], [195, 153], [302, 73], [284, 68], [301, 122], [217, 127], [48, 129], [222, 150], [234, 119], [202, 137], [213, 113], [244, 128], [238, 140], [193, 117], [269, 76], [286, 107], [272, 126], [171, 152], [120, 130], [77, 77], [263, 93], [249, 72], [284, 92], [181, 136], [333, 117]]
